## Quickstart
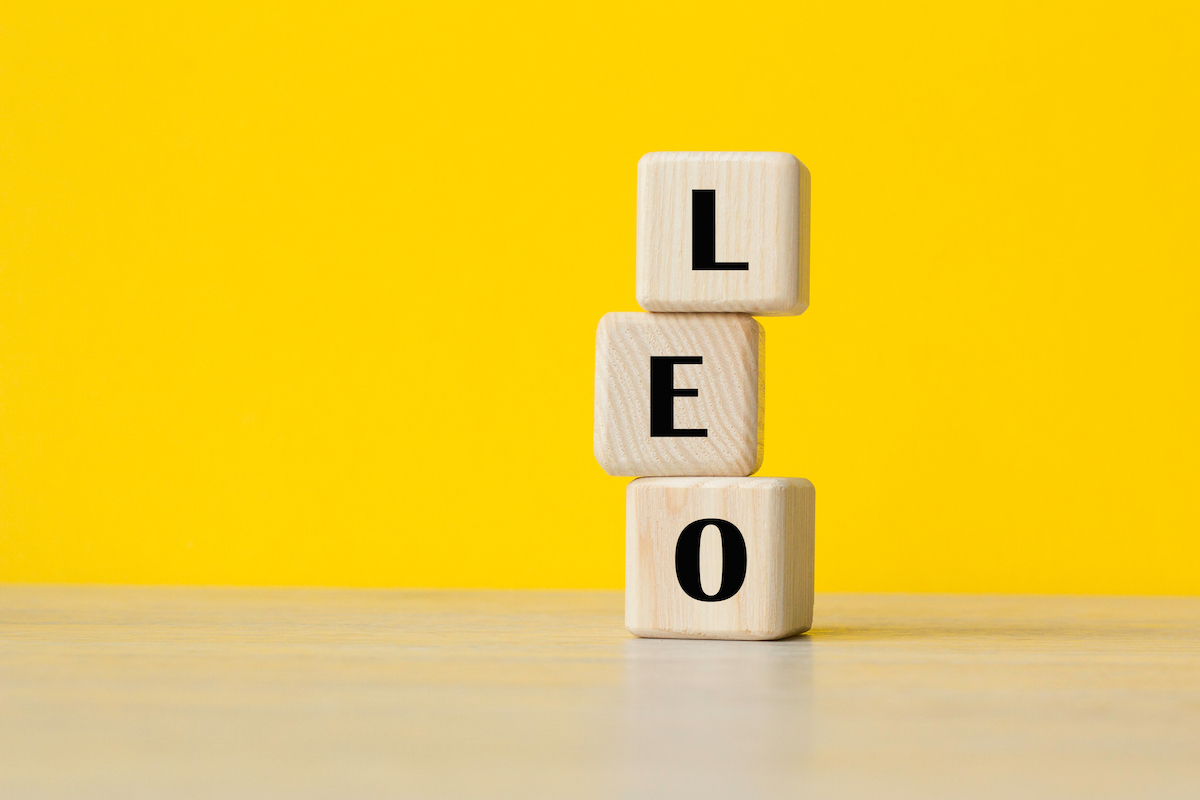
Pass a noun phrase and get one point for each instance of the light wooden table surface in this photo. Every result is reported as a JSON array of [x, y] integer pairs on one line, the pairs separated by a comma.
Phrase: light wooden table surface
[[129, 692]]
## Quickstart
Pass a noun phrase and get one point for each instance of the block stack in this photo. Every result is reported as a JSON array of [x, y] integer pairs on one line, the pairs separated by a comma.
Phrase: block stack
[[709, 551]]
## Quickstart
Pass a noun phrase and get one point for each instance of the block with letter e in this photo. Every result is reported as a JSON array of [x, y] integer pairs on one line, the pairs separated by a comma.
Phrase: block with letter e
[[719, 558], [679, 394]]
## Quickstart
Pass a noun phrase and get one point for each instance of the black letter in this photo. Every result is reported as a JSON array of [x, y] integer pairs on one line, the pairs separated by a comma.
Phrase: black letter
[[704, 233], [663, 394], [733, 560]]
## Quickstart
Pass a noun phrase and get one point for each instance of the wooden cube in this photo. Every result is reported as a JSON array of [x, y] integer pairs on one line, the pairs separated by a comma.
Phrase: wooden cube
[[722, 232], [679, 394], [719, 558]]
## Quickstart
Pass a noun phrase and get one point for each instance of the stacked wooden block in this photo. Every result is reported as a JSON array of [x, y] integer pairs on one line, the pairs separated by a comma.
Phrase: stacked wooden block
[[709, 551]]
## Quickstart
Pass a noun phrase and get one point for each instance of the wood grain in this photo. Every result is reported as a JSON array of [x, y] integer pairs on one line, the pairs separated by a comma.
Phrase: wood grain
[[775, 518], [729, 405], [762, 216]]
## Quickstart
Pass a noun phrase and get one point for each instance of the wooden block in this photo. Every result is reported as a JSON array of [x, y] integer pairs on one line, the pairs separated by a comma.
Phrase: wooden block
[[723, 232], [719, 558], [679, 394]]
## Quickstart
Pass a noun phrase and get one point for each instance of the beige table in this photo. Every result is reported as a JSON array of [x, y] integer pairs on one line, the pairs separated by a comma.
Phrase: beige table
[[129, 692]]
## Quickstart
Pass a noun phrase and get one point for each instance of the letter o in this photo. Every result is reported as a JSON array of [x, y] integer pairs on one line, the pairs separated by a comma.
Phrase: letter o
[[733, 560]]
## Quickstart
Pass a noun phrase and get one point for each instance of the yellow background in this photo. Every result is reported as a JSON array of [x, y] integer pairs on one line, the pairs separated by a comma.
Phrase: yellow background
[[307, 293]]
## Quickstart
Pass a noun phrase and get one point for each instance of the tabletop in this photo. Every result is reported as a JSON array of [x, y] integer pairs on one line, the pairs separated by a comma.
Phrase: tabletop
[[129, 692]]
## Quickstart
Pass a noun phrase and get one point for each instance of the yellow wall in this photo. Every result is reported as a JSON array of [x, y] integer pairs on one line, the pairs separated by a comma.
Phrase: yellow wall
[[308, 295]]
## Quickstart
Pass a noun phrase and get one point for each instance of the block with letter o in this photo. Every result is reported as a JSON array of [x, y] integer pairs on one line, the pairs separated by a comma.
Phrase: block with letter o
[[719, 558]]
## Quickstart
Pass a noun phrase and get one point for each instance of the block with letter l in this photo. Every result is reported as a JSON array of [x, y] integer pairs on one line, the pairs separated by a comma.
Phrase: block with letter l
[[722, 231]]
